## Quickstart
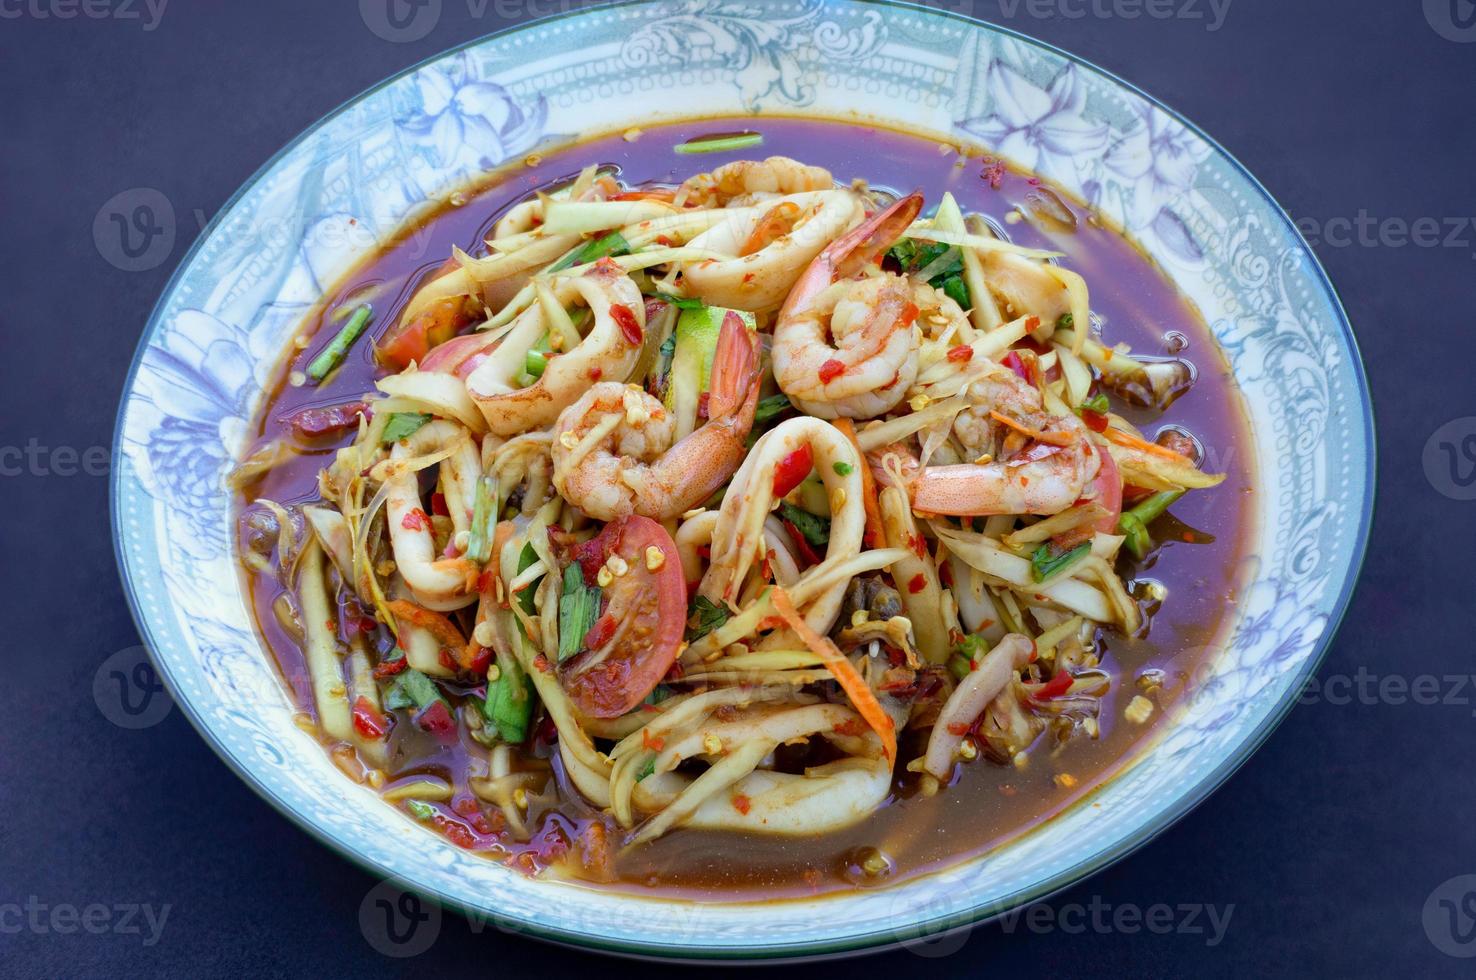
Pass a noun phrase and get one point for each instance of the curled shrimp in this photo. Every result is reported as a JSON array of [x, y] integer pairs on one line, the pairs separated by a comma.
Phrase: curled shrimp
[[616, 451], [862, 361], [744, 179], [609, 350], [438, 583], [738, 537], [1046, 464], [769, 245]]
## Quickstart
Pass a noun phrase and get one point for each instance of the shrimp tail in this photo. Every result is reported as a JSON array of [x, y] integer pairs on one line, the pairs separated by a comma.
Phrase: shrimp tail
[[850, 253], [733, 388]]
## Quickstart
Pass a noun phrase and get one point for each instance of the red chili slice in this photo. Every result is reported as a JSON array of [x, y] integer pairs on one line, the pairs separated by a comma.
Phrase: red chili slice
[[630, 327], [962, 354], [368, 721], [831, 370], [793, 469]]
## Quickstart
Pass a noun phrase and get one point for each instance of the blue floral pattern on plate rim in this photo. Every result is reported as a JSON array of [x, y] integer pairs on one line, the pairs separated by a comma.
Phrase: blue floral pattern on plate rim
[[222, 320]]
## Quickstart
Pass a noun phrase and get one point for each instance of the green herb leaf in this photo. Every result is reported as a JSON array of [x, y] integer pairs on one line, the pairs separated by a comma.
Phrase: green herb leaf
[[1066, 322], [814, 528], [843, 469], [955, 289], [648, 769], [527, 597], [420, 811], [1045, 564], [960, 666], [705, 617], [402, 425], [684, 302], [338, 347], [717, 144], [579, 607]]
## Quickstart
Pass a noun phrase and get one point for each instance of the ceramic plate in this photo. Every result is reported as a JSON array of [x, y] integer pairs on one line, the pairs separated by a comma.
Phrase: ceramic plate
[[356, 175]]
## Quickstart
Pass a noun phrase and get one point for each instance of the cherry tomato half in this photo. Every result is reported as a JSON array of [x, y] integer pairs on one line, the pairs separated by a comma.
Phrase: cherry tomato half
[[648, 608]]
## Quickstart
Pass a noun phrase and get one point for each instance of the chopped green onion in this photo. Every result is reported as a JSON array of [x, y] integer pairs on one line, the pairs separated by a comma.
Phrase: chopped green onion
[[579, 607], [717, 144], [1045, 565], [527, 597], [534, 362], [842, 469], [509, 703], [1134, 523], [411, 688], [420, 811], [613, 243], [479, 541], [402, 425], [706, 616], [813, 528], [338, 347], [769, 407], [1098, 403], [972, 647], [960, 666], [1066, 322]]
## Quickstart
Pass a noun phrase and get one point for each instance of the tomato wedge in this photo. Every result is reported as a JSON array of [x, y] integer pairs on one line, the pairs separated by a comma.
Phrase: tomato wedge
[[412, 341], [648, 609]]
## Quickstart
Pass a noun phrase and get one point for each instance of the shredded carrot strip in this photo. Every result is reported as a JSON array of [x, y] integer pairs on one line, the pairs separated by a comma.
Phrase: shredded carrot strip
[[434, 623], [1133, 442], [1049, 438], [850, 681], [873, 535]]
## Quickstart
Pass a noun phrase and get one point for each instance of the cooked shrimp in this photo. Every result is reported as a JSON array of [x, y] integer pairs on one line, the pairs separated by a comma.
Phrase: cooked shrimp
[[614, 453], [609, 350], [439, 583], [769, 248], [864, 366], [738, 538], [742, 178], [1047, 476]]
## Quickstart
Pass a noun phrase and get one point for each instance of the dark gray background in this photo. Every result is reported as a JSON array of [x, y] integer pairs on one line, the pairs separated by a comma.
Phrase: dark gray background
[[1328, 844]]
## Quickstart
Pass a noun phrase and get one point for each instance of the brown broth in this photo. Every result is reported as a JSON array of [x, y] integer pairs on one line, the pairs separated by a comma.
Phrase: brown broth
[[989, 803]]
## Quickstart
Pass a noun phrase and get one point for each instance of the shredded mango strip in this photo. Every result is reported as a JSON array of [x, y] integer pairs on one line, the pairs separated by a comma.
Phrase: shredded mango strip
[[1049, 438], [873, 536], [433, 623], [851, 682], [1152, 448]]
